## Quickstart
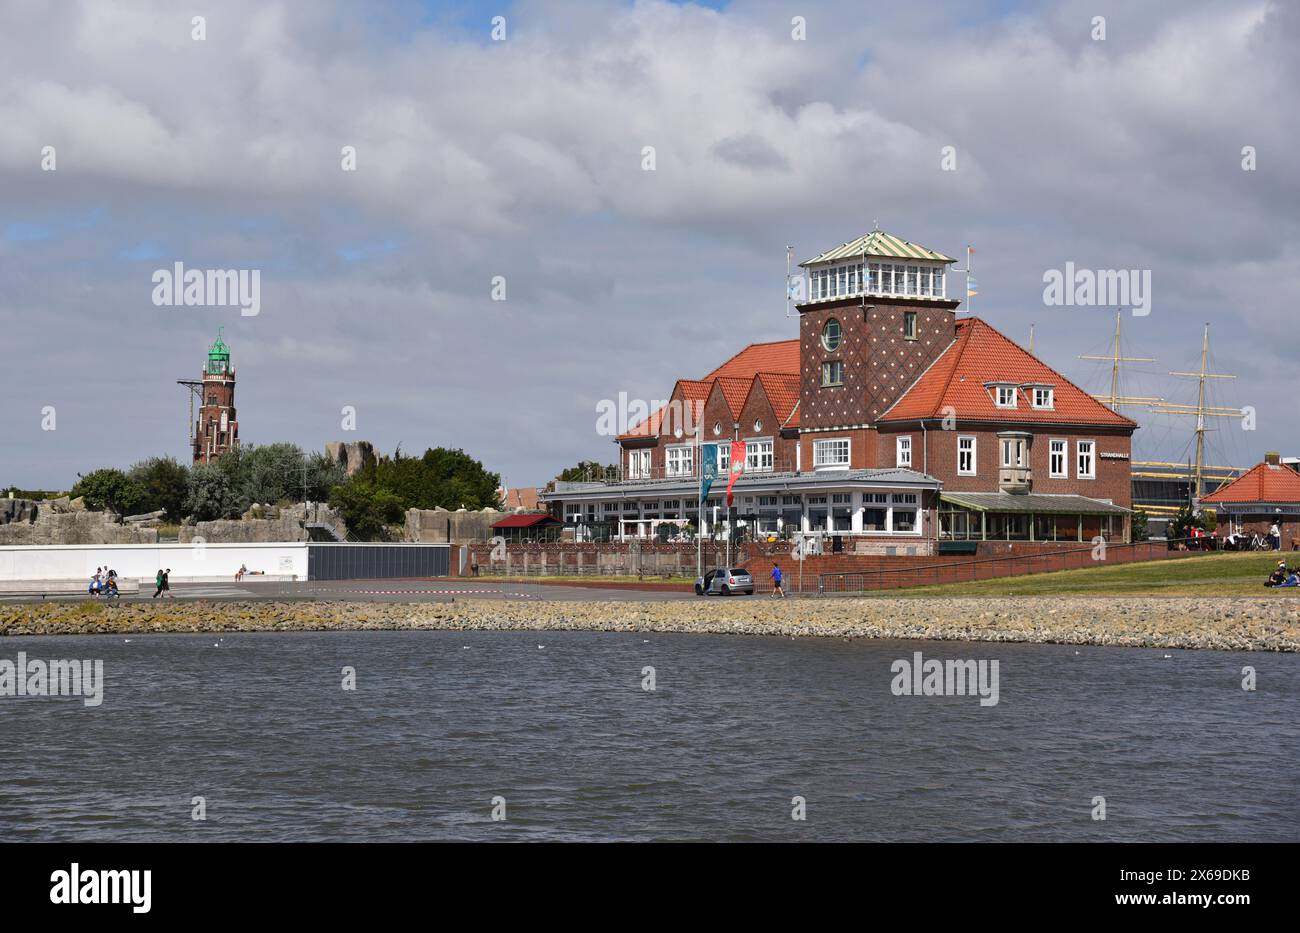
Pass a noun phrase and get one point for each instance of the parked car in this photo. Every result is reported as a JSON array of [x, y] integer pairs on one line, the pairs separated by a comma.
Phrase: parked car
[[725, 581]]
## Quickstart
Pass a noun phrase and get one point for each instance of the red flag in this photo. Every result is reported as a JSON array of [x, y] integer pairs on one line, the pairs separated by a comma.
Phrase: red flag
[[737, 467]]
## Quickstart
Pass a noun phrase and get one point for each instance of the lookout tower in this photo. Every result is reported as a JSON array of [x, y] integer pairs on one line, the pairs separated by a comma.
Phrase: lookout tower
[[217, 429]]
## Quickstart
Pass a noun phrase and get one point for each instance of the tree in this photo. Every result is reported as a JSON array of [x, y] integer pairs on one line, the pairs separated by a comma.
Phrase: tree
[[109, 490], [1139, 528], [1181, 525], [165, 485], [585, 471], [367, 509], [210, 493]]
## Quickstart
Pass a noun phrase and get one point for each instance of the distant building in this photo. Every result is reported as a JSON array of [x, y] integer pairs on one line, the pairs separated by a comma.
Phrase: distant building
[[888, 422], [217, 429], [520, 497], [1266, 494]]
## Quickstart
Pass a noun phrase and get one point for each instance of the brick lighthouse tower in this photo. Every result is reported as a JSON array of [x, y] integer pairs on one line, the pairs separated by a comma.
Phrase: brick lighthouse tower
[[217, 429]]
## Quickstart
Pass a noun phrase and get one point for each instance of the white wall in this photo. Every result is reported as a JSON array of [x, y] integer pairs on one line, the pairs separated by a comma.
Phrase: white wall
[[216, 561]]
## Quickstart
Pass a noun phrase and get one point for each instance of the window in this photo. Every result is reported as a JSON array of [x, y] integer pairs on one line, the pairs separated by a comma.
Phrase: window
[[903, 452], [758, 424], [1013, 452], [833, 373], [1006, 396], [680, 460], [724, 458], [911, 286], [1086, 466], [936, 283], [638, 464], [875, 511], [717, 428], [1056, 460], [831, 335], [903, 518], [831, 453], [1043, 397], [966, 456], [758, 456], [909, 325]]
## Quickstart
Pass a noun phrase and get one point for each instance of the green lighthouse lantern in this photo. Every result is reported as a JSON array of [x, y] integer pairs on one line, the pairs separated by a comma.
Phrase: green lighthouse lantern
[[218, 356]]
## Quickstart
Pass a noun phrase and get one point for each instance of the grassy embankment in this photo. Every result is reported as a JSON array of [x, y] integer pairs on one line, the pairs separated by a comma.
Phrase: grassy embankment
[[1194, 575]]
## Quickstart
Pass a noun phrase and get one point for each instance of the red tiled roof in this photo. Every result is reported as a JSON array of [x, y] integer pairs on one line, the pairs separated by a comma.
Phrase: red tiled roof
[[779, 356], [735, 376], [979, 355], [734, 390], [782, 391], [520, 497], [647, 428], [1265, 482], [527, 521]]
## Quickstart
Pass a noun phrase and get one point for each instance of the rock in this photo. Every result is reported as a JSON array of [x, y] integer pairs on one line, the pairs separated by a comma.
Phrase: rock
[[77, 505], [145, 516], [353, 455]]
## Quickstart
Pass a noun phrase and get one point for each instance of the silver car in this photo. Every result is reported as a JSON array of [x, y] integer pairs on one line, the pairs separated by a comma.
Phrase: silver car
[[724, 582]]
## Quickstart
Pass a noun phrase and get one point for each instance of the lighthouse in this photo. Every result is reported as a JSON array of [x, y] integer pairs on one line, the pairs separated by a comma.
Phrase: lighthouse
[[217, 429]]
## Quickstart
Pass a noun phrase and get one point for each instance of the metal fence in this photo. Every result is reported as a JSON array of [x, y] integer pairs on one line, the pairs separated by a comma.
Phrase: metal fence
[[376, 561]]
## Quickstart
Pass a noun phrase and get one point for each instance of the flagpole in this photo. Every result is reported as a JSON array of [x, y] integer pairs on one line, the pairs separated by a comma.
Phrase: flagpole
[[699, 468]]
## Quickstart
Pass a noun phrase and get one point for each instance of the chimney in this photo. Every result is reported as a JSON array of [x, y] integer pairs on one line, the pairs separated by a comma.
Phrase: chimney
[[1273, 458]]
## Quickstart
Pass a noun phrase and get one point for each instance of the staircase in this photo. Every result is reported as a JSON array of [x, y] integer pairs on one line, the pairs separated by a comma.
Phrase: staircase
[[323, 531]]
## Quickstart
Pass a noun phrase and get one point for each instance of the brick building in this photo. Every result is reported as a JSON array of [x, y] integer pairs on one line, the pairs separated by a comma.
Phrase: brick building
[[217, 428], [1267, 493], [888, 422]]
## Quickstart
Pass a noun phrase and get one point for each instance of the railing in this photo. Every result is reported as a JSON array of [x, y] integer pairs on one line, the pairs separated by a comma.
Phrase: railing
[[988, 568], [661, 473]]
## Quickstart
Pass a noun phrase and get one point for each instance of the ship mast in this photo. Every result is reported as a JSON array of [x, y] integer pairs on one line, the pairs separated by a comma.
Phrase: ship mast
[[1115, 400], [1200, 410]]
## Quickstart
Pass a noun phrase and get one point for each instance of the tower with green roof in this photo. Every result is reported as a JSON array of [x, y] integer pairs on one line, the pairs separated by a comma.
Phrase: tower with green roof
[[217, 428]]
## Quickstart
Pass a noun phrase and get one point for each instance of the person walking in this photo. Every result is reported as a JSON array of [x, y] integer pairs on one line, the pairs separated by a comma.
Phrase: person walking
[[166, 585], [158, 582], [777, 588]]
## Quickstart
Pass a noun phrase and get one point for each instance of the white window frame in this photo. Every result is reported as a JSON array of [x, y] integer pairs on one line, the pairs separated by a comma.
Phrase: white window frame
[[997, 396], [903, 451], [1092, 459], [972, 448], [638, 464], [724, 458], [821, 447], [1013, 443], [1058, 447], [1048, 403], [827, 363], [679, 460], [910, 316], [758, 455]]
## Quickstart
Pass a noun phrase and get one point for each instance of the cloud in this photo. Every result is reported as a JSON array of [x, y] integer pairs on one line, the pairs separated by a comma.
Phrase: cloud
[[523, 159]]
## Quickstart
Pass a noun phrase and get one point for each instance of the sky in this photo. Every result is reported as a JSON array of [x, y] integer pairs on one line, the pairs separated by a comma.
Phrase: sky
[[518, 165]]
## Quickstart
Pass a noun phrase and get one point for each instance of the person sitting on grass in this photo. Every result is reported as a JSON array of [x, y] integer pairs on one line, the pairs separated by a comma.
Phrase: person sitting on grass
[[1278, 576], [1292, 579]]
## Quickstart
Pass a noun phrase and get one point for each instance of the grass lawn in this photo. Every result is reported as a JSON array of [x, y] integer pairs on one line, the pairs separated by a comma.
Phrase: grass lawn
[[618, 579], [1214, 574]]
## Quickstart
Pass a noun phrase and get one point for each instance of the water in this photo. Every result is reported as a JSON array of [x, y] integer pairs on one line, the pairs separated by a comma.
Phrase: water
[[443, 722]]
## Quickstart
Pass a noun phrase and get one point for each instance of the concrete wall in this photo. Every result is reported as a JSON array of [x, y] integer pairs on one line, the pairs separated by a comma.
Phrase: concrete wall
[[215, 561]]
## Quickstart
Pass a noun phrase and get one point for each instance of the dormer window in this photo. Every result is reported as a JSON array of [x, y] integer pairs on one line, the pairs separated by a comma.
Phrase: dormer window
[[1044, 397], [1004, 396]]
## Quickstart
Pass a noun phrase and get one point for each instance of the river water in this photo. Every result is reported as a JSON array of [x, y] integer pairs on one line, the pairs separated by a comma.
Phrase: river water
[[560, 731]]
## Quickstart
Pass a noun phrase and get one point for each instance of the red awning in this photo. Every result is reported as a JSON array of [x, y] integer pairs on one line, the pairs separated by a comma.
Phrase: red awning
[[527, 521]]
